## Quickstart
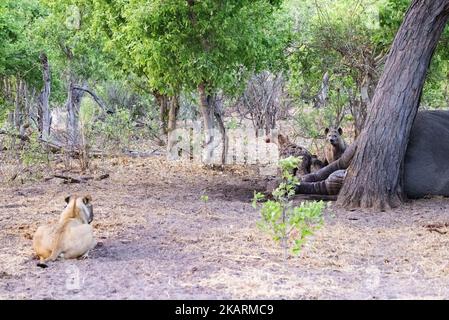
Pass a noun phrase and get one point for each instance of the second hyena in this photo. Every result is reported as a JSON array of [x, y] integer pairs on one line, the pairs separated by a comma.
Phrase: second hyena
[[288, 148], [335, 145]]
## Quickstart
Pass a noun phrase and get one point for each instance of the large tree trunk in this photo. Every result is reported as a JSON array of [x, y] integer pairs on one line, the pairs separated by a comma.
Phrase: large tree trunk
[[208, 120], [173, 113], [163, 103], [73, 104], [44, 100], [172, 116], [374, 178], [218, 113]]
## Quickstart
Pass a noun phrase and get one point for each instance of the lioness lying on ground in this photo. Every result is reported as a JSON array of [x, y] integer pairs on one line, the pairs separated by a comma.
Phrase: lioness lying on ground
[[71, 237]]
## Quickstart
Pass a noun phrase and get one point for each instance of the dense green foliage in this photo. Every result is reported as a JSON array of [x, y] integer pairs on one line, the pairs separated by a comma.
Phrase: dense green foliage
[[171, 47], [176, 45], [18, 55]]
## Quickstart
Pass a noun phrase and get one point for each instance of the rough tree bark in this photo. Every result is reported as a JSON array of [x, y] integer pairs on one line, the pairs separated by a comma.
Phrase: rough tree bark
[[18, 110], [218, 113], [168, 114], [162, 101], [173, 113], [206, 111], [172, 116], [44, 100], [205, 97], [374, 177], [73, 104]]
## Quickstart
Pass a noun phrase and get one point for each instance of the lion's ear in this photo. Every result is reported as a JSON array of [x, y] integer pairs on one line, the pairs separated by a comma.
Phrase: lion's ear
[[87, 198], [67, 199]]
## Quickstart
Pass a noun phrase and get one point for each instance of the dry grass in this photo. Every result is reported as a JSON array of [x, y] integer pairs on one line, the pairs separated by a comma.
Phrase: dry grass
[[159, 240]]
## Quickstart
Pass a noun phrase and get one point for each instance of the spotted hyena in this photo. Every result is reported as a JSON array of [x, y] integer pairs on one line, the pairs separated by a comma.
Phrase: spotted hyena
[[288, 148], [335, 145]]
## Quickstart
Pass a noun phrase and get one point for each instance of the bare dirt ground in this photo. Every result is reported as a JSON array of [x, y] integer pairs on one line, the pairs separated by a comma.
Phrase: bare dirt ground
[[159, 240]]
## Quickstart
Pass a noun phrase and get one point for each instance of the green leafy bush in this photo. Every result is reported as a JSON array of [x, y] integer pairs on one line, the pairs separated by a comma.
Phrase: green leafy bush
[[288, 224]]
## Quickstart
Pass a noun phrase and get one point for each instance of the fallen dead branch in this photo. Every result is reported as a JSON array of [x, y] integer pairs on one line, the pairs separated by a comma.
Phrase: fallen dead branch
[[435, 227], [436, 230], [68, 179], [55, 148], [142, 154], [51, 146], [82, 179], [101, 177]]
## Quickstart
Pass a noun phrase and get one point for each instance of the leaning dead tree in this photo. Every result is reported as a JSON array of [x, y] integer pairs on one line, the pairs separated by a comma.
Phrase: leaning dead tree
[[374, 177], [73, 104], [94, 96]]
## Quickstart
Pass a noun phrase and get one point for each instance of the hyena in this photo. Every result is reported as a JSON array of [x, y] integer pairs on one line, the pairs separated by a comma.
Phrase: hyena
[[316, 164], [288, 148], [425, 169], [335, 145]]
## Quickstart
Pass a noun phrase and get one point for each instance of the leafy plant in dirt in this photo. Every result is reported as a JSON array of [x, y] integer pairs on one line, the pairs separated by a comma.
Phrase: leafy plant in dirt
[[288, 224], [204, 198], [205, 208]]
